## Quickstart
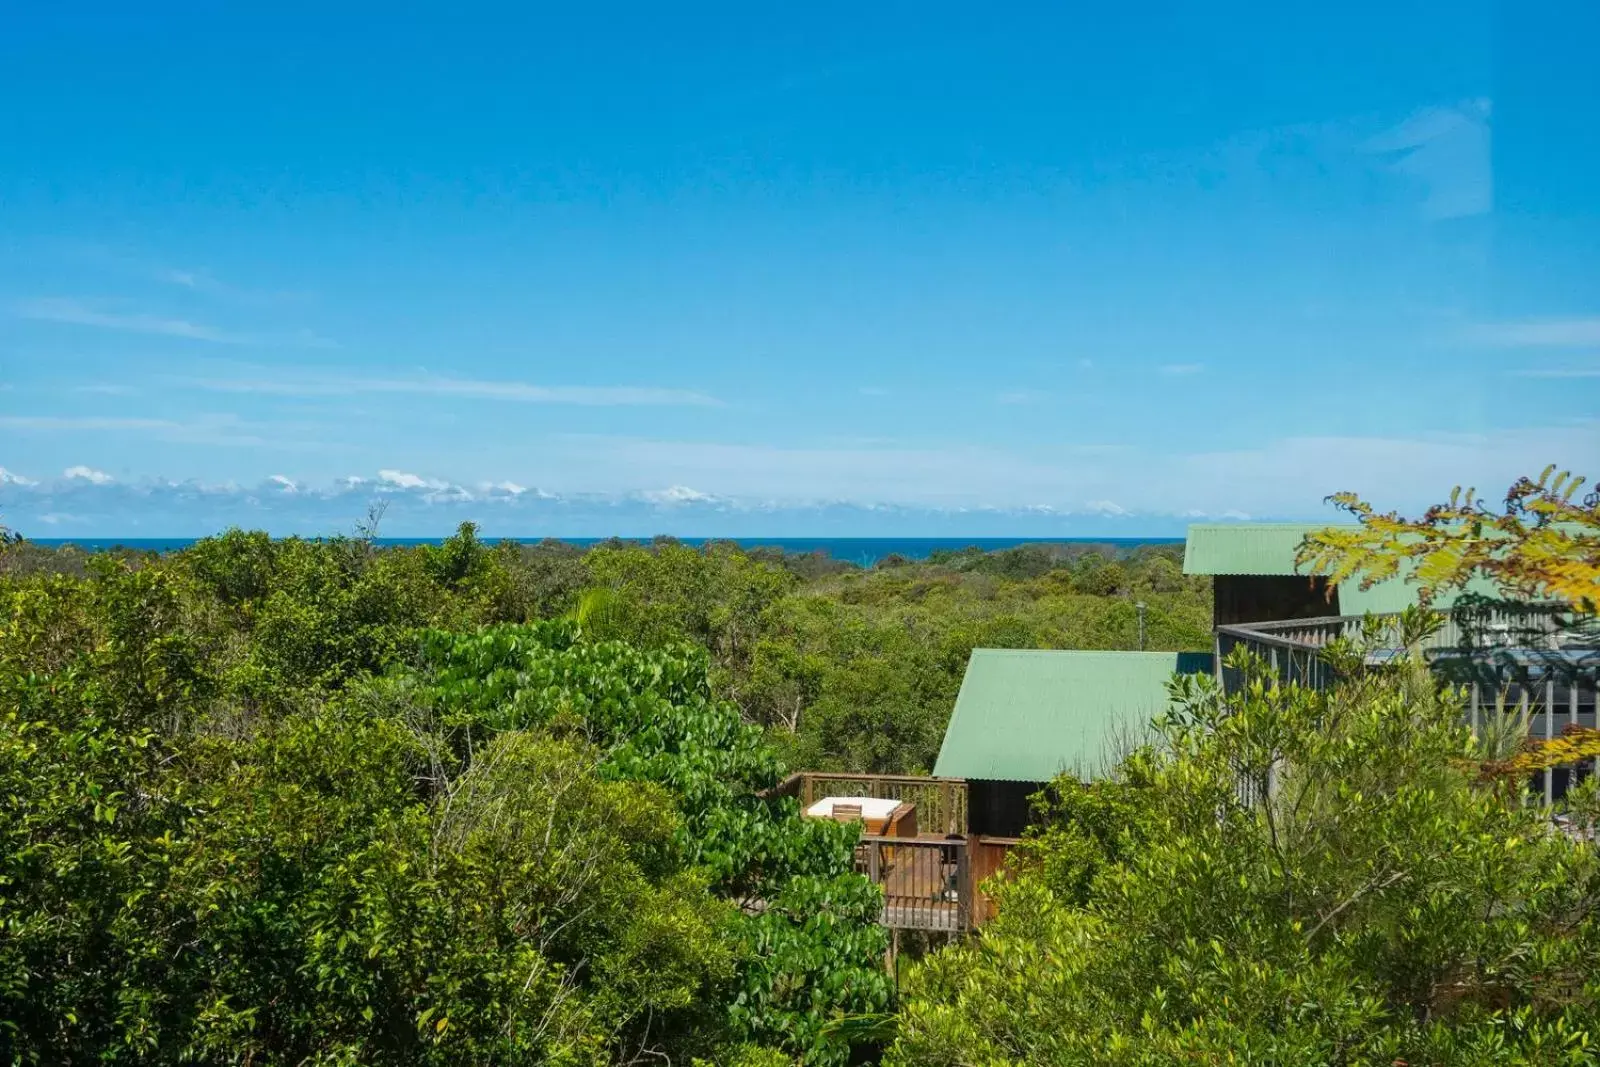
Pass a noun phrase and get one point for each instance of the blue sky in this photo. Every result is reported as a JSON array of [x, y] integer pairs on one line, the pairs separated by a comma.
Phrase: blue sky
[[829, 268]]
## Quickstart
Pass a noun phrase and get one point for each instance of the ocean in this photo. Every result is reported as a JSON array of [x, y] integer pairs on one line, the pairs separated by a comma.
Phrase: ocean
[[862, 551]]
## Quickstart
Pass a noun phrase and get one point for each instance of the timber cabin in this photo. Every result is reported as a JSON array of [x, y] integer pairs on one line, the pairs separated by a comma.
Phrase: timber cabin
[[1025, 716]]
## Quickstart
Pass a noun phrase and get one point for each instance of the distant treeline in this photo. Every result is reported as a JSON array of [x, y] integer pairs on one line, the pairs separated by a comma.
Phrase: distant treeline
[[848, 668]]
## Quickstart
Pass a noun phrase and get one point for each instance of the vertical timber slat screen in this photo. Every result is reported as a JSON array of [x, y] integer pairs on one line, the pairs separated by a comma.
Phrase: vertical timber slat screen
[[925, 881]]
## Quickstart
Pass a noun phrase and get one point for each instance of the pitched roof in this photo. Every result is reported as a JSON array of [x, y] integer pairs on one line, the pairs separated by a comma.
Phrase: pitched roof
[[1245, 548], [1026, 715]]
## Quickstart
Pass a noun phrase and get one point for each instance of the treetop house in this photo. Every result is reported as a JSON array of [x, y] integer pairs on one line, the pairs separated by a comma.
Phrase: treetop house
[[1025, 716]]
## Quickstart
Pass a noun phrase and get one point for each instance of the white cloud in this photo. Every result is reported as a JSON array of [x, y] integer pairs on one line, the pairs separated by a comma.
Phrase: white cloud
[[83, 313], [1277, 478], [1446, 150], [203, 282], [222, 430], [594, 480], [1289, 477], [677, 494], [106, 258], [12, 478], [83, 422], [87, 474], [404, 480], [1562, 372], [1182, 370], [289, 384], [897, 475], [74, 312], [432, 490], [1538, 333], [285, 483], [187, 278]]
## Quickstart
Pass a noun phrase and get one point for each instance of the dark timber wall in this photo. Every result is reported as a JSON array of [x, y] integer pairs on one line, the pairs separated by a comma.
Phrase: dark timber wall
[[1240, 598], [999, 809]]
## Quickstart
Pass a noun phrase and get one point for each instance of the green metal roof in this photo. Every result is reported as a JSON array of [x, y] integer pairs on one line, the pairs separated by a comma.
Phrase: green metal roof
[[1268, 548], [1026, 715], [1245, 548]]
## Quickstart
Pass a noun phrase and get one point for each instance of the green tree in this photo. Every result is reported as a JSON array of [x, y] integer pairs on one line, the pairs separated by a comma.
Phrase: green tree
[[321, 886], [811, 949], [1543, 542]]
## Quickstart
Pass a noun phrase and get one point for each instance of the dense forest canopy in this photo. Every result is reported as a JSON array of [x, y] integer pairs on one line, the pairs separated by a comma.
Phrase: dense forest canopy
[[322, 802], [847, 668], [291, 801]]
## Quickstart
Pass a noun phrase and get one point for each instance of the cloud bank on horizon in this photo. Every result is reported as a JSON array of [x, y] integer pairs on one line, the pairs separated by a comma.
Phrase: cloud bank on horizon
[[939, 493]]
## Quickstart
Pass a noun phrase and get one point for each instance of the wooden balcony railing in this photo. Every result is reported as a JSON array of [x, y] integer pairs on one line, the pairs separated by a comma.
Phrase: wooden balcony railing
[[932, 883], [927, 881], [941, 803], [932, 875]]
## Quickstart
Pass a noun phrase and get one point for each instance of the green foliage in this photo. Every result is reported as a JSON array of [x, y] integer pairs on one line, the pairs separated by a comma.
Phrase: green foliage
[[858, 670], [292, 895], [811, 948], [1291, 877], [292, 802], [846, 669], [1542, 543], [862, 669]]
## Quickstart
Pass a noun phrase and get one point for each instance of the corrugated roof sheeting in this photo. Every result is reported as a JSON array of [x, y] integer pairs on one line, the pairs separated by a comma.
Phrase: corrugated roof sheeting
[[1026, 715], [1245, 548], [1397, 594]]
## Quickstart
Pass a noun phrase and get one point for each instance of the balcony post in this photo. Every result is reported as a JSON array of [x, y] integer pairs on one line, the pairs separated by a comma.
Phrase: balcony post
[[1549, 732], [964, 895]]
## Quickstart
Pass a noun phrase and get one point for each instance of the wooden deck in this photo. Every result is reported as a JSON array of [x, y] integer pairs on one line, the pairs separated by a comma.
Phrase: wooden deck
[[933, 879]]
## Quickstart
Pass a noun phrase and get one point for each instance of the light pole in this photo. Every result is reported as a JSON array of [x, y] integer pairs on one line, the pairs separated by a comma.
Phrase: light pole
[[1139, 607]]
